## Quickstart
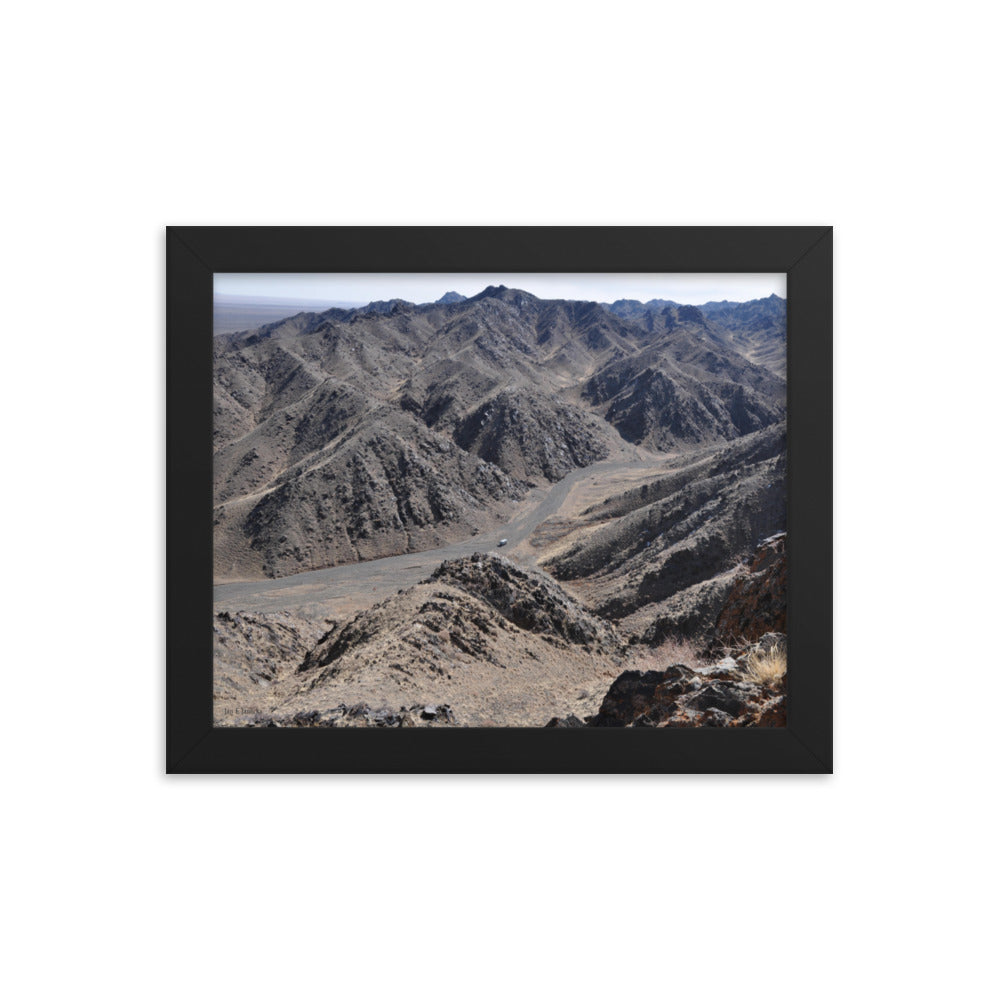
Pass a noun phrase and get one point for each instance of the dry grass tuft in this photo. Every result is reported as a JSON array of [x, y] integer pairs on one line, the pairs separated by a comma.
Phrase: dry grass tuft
[[677, 650], [767, 668], [672, 650]]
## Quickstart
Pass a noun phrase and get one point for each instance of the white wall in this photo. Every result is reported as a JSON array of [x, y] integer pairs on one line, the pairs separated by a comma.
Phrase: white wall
[[121, 119]]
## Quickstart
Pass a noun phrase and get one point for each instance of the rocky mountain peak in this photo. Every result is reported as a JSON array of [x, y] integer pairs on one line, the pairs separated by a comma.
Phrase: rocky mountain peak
[[512, 296], [386, 307], [530, 600], [691, 314]]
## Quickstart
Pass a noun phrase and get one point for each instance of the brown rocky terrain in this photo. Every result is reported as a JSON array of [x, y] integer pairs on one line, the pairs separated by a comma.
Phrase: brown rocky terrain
[[683, 387], [348, 435], [533, 437], [758, 600], [483, 642], [746, 687], [634, 458], [358, 716], [661, 557], [388, 485], [498, 644], [251, 653], [683, 697], [755, 330]]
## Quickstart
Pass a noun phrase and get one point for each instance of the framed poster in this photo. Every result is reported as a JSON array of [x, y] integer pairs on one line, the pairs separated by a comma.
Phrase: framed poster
[[499, 499]]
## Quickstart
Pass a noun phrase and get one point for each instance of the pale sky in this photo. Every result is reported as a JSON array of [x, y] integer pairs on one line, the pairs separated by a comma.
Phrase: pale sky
[[361, 289]]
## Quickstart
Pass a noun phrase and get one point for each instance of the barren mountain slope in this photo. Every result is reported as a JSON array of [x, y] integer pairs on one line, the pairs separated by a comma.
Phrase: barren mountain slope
[[669, 548], [388, 485], [531, 435], [684, 388], [252, 653], [498, 645], [755, 329], [348, 435]]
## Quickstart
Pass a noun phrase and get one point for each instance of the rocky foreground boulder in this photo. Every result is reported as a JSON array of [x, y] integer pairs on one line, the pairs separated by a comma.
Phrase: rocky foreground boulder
[[682, 697], [745, 690], [568, 722], [757, 602]]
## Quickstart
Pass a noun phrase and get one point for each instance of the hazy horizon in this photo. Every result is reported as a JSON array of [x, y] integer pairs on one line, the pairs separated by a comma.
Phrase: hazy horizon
[[353, 290]]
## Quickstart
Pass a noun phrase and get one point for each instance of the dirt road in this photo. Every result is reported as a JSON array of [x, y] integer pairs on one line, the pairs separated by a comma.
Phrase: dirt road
[[346, 589]]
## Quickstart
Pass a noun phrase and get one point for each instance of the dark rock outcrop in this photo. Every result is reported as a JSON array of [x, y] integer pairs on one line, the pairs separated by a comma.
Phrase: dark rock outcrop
[[569, 722], [637, 693], [528, 600], [757, 603], [681, 697]]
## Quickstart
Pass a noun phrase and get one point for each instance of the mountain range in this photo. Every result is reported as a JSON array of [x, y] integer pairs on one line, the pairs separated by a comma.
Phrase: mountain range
[[346, 435], [501, 510]]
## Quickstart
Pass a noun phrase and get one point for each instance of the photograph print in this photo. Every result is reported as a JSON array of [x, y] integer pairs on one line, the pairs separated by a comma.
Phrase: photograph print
[[499, 500]]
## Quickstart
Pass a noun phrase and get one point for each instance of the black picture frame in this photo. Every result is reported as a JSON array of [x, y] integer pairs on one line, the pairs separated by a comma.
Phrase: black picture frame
[[196, 253]]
